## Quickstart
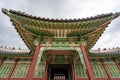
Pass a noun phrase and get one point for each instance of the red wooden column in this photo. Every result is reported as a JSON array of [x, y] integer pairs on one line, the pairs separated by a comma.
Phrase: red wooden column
[[89, 70], [74, 70], [73, 77], [33, 64], [11, 71], [109, 77]]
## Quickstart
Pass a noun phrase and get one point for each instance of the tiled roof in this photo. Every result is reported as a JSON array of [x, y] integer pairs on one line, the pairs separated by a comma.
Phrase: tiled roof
[[88, 29]]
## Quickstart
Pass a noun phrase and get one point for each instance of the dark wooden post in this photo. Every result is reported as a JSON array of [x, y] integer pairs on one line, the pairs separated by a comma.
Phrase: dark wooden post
[[116, 63], [46, 72], [2, 60], [89, 70], [31, 70], [118, 66], [73, 72]]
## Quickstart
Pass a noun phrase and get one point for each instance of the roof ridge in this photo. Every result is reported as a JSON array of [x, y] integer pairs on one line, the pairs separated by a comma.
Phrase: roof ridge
[[4, 10]]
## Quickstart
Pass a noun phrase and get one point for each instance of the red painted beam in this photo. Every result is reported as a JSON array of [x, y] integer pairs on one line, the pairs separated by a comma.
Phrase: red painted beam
[[106, 71], [89, 70], [33, 64], [11, 71]]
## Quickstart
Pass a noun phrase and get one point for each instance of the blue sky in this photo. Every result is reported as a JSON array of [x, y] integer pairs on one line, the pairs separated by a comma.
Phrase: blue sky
[[69, 9]]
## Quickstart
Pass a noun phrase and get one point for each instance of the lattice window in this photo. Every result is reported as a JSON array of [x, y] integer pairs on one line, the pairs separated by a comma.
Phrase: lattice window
[[39, 71], [98, 71], [113, 70], [5, 69], [20, 71], [80, 71]]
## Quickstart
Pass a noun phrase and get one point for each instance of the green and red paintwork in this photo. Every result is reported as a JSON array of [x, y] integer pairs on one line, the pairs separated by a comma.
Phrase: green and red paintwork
[[58, 42]]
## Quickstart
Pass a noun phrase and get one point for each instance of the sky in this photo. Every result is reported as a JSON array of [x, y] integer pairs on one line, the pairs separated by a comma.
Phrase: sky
[[58, 9]]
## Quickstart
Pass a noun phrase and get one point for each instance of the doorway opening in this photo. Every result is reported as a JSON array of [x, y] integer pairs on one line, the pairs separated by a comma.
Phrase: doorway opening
[[59, 72]]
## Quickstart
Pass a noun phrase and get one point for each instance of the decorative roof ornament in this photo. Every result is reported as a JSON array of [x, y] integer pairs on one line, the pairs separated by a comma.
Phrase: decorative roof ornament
[[117, 14], [5, 11]]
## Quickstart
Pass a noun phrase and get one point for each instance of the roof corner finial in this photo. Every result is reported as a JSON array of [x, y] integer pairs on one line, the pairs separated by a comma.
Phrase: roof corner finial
[[4, 10], [116, 14]]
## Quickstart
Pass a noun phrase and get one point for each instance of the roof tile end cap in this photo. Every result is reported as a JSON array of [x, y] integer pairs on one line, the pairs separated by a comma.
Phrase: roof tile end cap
[[4, 10]]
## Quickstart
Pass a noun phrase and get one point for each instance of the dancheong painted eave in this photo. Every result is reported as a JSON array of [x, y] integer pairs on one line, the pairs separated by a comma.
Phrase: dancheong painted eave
[[87, 29]]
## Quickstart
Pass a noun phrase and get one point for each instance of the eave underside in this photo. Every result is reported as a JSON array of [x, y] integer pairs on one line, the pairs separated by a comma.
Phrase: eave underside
[[88, 29]]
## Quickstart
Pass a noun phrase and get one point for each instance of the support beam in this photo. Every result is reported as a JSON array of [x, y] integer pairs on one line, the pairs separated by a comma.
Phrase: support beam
[[11, 71], [109, 77], [76, 58], [100, 28], [31, 70], [89, 70]]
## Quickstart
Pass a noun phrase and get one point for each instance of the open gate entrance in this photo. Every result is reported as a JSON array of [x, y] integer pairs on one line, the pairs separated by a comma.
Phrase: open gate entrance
[[59, 72]]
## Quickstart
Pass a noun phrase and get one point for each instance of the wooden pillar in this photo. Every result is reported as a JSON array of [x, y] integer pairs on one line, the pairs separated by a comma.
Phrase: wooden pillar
[[11, 71], [109, 77], [73, 72], [45, 73], [31, 70], [89, 70], [1, 62]]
